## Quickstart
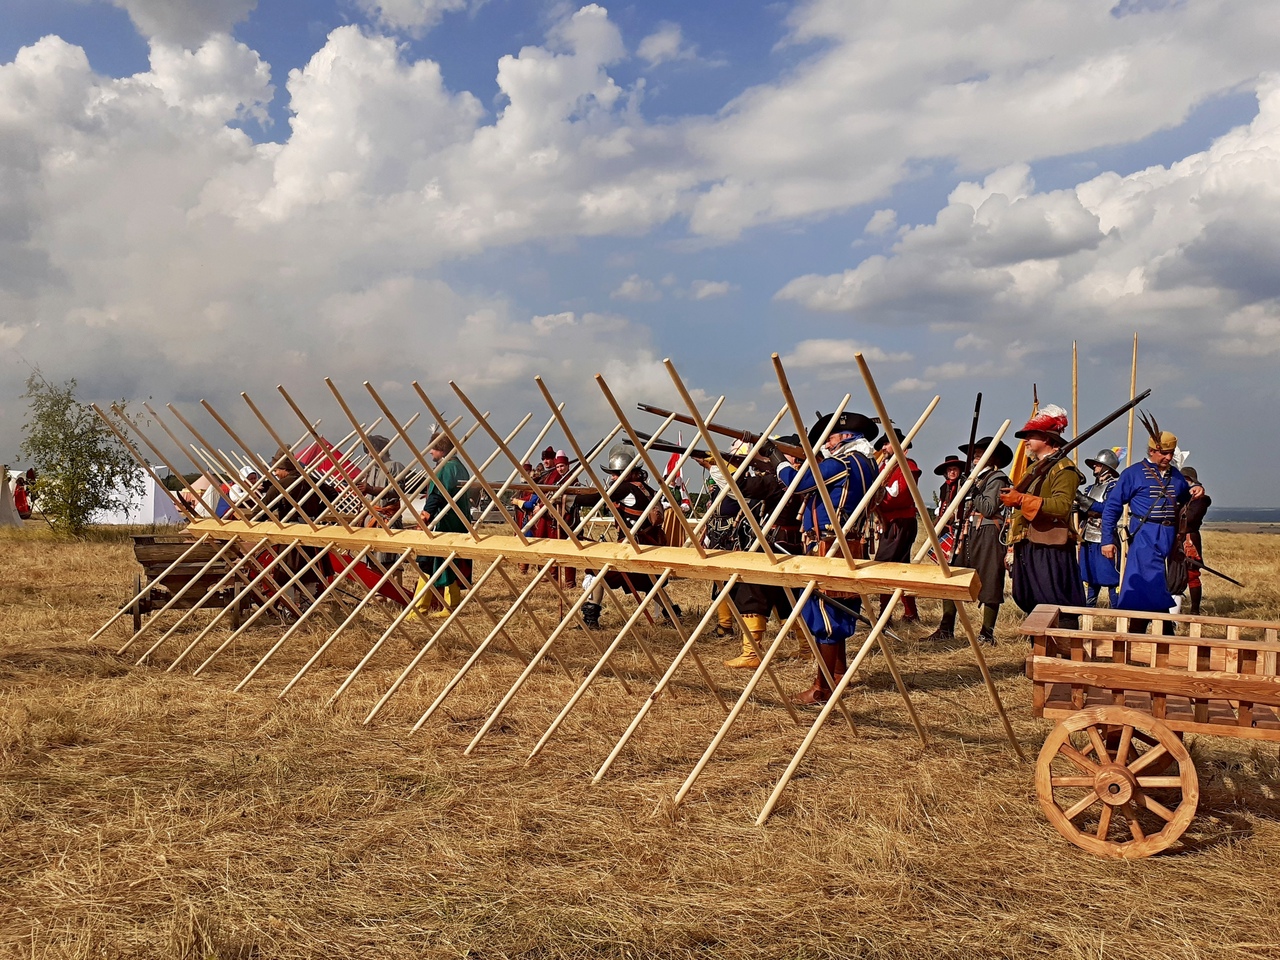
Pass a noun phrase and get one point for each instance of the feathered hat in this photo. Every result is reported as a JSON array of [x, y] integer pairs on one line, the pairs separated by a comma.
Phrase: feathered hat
[[1158, 439], [1049, 420]]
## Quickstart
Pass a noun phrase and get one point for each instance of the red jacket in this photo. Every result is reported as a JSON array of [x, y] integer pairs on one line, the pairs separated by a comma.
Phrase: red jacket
[[897, 503]]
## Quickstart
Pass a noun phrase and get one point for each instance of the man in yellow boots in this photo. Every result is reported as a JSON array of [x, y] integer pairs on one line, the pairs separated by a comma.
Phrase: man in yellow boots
[[436, 576]]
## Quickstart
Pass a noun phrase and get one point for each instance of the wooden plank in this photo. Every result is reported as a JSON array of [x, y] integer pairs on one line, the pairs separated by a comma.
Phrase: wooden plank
[[831, 573], [1260, 645], [1159, 703], [1207, 685], [1103, 613], [1039, 621], [1053, 711]]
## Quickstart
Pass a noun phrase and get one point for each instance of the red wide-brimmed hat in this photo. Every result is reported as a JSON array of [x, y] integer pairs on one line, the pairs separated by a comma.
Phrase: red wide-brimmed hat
[[1050, 420]]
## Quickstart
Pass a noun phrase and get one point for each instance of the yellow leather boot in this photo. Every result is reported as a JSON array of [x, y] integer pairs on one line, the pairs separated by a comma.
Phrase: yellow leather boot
[[752, 642], [423, 601], [452, 597]]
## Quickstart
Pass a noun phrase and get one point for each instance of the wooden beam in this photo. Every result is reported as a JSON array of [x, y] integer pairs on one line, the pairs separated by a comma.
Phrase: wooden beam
[[831, 573], [1197, 685]]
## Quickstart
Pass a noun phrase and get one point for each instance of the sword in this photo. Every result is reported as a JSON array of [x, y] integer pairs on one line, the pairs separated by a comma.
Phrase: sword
[[1197, 565], [854, 613]]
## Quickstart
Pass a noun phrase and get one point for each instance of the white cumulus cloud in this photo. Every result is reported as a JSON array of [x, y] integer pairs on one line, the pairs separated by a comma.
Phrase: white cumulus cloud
[[412, 16], [710, 289], [664, 44], [637, 289]]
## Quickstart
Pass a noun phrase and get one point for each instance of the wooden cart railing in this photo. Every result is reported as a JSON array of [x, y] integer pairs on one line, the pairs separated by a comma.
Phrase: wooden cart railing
[[1115, 691]]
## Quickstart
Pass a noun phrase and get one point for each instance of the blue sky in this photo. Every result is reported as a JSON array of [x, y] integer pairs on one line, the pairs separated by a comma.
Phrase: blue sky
[[215, 196]]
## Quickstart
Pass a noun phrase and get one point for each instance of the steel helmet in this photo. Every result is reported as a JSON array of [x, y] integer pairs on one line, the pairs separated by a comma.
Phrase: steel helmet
[[1105, 458], [619, 459]]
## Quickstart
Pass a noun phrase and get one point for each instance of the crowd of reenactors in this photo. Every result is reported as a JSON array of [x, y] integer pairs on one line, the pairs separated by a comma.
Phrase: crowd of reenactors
[[1022, 517]]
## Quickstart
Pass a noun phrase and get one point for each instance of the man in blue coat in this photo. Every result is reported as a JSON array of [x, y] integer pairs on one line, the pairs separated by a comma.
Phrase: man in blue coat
[[847, 470], [1153, 490]]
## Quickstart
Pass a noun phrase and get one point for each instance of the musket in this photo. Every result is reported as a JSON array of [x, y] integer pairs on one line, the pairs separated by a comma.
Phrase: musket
[[745, 436], [1041, 467], [702, 456], [665, 447], [962, 515]]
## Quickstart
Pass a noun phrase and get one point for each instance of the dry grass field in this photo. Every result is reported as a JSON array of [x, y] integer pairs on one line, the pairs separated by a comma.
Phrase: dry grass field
[[153, 814]]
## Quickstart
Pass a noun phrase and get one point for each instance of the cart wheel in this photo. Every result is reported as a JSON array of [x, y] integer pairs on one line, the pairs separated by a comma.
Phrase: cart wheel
[[1116, 803]]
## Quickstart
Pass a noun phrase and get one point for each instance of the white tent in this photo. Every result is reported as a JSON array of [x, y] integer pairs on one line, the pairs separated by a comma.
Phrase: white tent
[[8, 512], [153, 505]]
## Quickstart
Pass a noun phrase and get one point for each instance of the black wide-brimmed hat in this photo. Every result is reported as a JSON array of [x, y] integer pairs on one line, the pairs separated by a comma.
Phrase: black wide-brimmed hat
[[951, 461], [847, 422], [883, 441], [1000, 459]]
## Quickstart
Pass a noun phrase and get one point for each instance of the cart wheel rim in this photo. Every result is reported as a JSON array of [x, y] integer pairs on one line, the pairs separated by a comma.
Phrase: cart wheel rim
[[1115, 801]]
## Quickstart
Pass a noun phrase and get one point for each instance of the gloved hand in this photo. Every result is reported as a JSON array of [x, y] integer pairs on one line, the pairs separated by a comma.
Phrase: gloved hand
[[1011, 497]]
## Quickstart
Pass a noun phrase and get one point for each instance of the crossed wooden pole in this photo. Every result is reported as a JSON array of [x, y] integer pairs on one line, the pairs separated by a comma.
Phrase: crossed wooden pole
[[308, 546]]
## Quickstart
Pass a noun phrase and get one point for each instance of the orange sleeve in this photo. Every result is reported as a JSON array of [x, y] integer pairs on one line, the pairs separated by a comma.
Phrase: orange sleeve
[[1031, 506]]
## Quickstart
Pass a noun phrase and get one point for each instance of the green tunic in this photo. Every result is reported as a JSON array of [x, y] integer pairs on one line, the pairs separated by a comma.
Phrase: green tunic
[[452, 475]]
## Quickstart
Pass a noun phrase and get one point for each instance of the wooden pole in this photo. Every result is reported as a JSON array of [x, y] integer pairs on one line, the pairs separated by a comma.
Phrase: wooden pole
[[743, 697], [377, 645], [163, 459], [182, 508], [747, 513], [484, 645], [431, 641], [369, 595], [1133, 392], [519, 467], [666, 678], [695, 542], [597, 669], [280, 594], [262, 574], [1075, 399], [460, 451], [811, 458], [150, 583], [876, 630], [306, 614], [1128, 452], [207, 596], [178, 595]]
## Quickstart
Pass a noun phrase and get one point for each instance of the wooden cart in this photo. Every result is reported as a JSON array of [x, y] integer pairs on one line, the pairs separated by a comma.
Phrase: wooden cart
[[190, 581], [1114, 776]]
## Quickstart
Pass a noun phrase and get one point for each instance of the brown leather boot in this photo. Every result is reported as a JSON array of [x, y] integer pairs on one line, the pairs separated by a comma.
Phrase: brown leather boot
[[909, 613], [833, 655]]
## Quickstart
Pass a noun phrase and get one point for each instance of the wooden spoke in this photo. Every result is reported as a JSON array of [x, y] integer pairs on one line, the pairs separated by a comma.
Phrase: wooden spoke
[[1104, 822], [1126, 740], [1083, 804], [1072, 782], [1115, 786], [1079, 759], [1148, 758], [1157, 783], [1158, 808], [1099, 745], [1134, 826]]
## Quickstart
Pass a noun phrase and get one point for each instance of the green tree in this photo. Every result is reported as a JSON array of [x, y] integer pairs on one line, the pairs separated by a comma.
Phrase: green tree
[[81, 466]]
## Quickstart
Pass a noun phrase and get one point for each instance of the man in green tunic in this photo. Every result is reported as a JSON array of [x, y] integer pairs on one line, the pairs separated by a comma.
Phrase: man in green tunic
[[452, 475]]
